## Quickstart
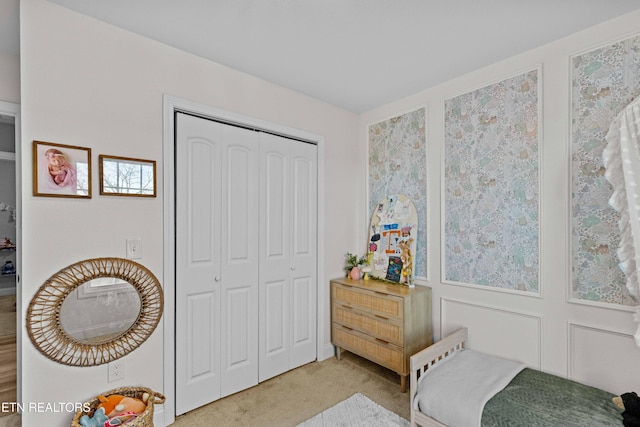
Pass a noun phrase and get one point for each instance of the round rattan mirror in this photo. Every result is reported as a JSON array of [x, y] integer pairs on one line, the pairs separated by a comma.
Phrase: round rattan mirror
[[95, 311]]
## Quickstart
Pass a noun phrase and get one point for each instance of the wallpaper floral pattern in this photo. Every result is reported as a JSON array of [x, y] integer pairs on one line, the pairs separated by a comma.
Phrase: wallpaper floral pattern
[[491, 185], [604, 81], [398, 165]]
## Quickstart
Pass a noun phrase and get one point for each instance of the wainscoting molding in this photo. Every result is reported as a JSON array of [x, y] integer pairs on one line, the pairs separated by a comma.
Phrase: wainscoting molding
[[515, 335], [591, 347]]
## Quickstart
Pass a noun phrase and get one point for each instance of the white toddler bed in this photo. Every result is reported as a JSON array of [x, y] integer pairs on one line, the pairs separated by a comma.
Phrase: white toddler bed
[[467, 388]]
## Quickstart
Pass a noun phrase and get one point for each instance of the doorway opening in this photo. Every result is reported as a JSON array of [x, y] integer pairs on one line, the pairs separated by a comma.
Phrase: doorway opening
[[10, 298]]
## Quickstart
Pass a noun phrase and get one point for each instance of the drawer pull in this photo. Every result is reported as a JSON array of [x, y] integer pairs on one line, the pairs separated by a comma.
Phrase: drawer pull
[[381, 317], [382, 341], [347, 328], [380, 293], [347, 307]]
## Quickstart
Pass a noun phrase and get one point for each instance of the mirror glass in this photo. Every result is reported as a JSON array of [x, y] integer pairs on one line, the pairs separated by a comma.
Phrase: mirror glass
[[124, 176], [100, 310]]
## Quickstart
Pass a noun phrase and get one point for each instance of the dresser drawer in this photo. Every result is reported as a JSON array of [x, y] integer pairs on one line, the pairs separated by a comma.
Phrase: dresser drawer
[[378, 351], [371, 324], [388, 306]]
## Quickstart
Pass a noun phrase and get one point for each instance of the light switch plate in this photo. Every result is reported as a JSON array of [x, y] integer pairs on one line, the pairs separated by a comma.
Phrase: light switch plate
[[134, 248]]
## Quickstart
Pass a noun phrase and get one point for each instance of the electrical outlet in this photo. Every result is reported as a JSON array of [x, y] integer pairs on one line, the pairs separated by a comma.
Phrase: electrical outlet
[[116, 370], [134, 248]]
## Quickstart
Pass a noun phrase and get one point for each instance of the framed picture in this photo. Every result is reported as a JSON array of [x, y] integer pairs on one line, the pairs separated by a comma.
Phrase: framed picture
[[61, 170], [124, 176]]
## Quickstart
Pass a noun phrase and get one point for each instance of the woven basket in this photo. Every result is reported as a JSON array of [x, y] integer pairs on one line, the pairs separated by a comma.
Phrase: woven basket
[[143, 420]]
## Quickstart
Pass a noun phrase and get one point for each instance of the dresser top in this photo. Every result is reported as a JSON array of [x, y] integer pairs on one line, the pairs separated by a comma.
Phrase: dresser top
[[380, 286]]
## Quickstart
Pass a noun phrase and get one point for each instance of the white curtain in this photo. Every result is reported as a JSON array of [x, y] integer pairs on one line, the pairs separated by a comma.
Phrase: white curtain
[[622, 162]]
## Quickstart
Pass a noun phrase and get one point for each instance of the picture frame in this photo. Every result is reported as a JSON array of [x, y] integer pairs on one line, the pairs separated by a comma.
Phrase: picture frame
[[127, 176], [61, 170]]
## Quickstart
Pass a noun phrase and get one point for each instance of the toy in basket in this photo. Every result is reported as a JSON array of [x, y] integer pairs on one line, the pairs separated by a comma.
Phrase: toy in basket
[[129, 406]]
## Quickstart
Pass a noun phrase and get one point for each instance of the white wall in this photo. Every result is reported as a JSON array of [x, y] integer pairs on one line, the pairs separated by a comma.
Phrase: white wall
[[9, 78], [90, 84], [589, 343]]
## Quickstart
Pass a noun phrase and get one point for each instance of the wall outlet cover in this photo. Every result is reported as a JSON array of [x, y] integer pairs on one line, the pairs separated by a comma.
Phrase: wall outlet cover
[[116, 370]]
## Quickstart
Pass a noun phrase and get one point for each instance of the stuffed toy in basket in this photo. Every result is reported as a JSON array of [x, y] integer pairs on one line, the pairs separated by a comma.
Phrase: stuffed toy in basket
[[128, 406]]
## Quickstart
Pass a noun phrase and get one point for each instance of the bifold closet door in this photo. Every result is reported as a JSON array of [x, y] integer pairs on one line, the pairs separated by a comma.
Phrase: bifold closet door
[[288, 258], [216, 260]]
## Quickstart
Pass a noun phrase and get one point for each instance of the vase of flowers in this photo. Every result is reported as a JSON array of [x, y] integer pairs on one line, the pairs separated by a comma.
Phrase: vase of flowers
[[352, 265]]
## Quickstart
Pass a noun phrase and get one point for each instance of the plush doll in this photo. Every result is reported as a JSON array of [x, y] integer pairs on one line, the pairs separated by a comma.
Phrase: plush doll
[[109, 403], [116, 404], [97, 420], [630, 403]]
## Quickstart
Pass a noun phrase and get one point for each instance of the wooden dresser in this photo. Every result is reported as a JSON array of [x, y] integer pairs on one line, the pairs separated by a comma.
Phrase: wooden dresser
[[382, 322]]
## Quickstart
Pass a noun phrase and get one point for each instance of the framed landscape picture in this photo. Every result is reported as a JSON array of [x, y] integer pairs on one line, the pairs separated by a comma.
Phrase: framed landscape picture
[[125, 176]]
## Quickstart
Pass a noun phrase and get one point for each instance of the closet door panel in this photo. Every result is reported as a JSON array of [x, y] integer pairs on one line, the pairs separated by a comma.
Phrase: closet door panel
[[198, 160], [303, 298], [276, 205], [275, 328], [239, 242], [202, 317], [240, 367], [275, 254], [304, 185]]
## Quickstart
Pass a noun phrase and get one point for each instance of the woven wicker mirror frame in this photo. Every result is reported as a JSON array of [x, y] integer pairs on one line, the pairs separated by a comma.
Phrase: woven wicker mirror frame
[[43, 314]]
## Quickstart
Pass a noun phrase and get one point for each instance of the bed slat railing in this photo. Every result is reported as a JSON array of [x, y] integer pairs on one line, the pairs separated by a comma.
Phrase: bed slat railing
[[428, 358]]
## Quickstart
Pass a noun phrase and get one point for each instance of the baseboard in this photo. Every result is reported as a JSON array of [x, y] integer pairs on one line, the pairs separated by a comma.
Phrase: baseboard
[[327, 352], [158, 416]]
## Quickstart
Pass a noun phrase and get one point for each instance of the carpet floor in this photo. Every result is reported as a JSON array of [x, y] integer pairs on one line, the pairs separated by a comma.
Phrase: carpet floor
[[302, 393], [296, 396]]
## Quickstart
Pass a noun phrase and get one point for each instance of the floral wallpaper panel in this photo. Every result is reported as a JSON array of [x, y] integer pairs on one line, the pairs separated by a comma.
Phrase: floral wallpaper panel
[[491, 181], [398, 165], [604, 81]]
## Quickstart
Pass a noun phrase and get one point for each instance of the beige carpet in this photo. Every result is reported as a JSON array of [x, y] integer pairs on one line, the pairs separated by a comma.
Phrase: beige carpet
[[298, 395]]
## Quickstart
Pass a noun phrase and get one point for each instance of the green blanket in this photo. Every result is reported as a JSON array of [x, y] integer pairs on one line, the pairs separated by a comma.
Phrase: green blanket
[[536, 399]]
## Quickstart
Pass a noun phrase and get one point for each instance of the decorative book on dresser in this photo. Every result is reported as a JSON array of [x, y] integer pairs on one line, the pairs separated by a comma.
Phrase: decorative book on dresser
[[384, 323]]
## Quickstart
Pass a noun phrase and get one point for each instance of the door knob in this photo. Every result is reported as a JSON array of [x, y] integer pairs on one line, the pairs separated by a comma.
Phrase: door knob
[[217, 278], [293, 267]]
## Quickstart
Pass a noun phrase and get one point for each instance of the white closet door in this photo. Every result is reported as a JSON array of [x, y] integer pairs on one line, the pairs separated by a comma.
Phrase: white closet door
[[287, 255], [198, 163], [304, 257], [275, 256], [216, 260], [240, 198]]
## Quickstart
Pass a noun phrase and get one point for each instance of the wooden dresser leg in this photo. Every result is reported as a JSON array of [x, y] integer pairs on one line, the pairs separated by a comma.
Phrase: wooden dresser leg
[[338, 351], [403, 383]]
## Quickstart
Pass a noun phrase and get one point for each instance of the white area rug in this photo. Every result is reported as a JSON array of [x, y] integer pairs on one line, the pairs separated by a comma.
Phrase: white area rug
[[356, 411]]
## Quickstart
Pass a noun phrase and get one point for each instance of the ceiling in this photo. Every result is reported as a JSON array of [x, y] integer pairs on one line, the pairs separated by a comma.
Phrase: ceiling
[[355, 54]]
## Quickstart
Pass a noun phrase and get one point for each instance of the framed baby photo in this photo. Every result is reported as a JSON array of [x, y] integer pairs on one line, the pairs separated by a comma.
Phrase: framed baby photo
[[61, 170]]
